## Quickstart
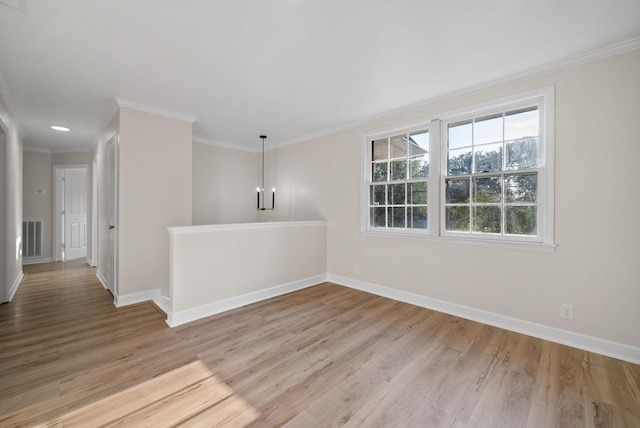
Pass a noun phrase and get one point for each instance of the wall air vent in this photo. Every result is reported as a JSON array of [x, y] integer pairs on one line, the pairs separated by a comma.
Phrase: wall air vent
[[31, 238]]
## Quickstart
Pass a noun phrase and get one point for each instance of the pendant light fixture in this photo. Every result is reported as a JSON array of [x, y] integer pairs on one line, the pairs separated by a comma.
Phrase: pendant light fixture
[[261, 189]]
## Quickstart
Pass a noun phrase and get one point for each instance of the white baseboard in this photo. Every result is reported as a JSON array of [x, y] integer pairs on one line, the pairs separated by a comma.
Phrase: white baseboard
[[163, 303], [36, 261], [175, 319], [133, 298], [563, 337], [102, 279], [15, 285]]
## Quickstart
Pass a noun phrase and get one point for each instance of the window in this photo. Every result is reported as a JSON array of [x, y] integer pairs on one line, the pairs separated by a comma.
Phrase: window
[[485, 173], [398, 185]]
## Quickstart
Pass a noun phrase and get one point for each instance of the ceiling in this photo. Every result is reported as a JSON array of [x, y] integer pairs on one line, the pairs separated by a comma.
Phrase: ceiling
[[290, 69]]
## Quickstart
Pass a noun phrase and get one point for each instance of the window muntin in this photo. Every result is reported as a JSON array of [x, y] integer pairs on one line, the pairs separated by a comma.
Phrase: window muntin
[[489, 175], [491, 178], [398, 181]]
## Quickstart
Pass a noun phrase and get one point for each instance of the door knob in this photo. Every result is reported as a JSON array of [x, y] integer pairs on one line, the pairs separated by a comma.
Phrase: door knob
[[111, 227]]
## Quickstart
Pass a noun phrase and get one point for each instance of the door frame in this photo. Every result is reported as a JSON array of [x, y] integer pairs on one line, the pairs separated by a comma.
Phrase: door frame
[[4, 132], [58, 206], [111, 187], [93, 262]]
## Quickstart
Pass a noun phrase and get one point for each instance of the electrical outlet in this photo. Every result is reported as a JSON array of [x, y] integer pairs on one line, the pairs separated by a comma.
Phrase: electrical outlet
[[566, 311], [356, 269]]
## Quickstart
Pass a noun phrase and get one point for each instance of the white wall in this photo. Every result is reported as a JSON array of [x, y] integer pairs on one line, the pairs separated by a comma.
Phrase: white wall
[[12, 223], [155, 182], [37, 174], [224, 185], [218, 267], [595, 266]]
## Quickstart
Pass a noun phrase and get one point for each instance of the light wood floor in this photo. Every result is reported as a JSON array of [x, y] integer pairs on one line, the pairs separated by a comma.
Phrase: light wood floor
[[323, 356]]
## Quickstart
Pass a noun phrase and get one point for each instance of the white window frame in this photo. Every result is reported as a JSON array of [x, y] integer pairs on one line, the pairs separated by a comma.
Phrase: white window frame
[[543, 98], [416, 127]]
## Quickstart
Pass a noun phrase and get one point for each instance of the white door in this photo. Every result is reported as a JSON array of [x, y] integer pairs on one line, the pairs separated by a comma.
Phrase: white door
[[75, 213], [112, 220]]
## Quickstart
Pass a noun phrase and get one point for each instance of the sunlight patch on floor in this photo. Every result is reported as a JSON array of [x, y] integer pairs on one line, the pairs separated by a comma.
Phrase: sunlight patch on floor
[[190, 395]]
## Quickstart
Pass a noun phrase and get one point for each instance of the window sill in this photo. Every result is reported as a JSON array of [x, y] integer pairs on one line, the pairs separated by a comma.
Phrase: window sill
[[531, 246]]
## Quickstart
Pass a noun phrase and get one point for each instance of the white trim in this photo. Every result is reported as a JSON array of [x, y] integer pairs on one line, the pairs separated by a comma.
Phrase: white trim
[[10, 105], [132, 105], [57, 151], [186, 230], [58, 205], [133, 298], [68, 150], [175, 319], [35, 150], [591, 56], [3, 207], [15, 285], [102, 279], [36, 260], [163, 303], [112, 205], [224, 145], [516, 245], [552, 334], [93, 261]]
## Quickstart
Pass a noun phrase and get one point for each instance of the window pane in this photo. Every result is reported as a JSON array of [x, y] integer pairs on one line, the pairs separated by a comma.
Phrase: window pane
[[522, 153], [488, 158], [459, 162], [398, 146], [419, 167], [459, 134], [397, 217], [487, 189], [521, 220], [458, 191], [380, 149], [378, 217], [379, 171], [417, 194], [396, 194], [378, 195], [458, 218], [398, 169], [521, 124], [487, 219], [487, 130], [417, 217], [419, 143], [521, 188]]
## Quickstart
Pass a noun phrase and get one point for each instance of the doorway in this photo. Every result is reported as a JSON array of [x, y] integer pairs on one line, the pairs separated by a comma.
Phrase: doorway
[[70, 212]]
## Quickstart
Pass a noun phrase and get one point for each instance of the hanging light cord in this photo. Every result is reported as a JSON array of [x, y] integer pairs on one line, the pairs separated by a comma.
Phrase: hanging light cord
[[263, 137]]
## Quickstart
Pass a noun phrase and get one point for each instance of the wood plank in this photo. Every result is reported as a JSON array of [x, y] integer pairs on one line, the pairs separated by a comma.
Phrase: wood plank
[[323, 356]]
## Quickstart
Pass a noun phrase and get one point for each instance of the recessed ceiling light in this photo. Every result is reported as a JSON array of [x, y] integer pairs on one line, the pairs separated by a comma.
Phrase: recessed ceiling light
[[60, 128]]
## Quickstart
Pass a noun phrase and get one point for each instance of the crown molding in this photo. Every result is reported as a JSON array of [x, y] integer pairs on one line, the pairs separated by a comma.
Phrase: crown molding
[[591, 56], [35, 150], [224, 145], [132, 105], [5, 95]]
